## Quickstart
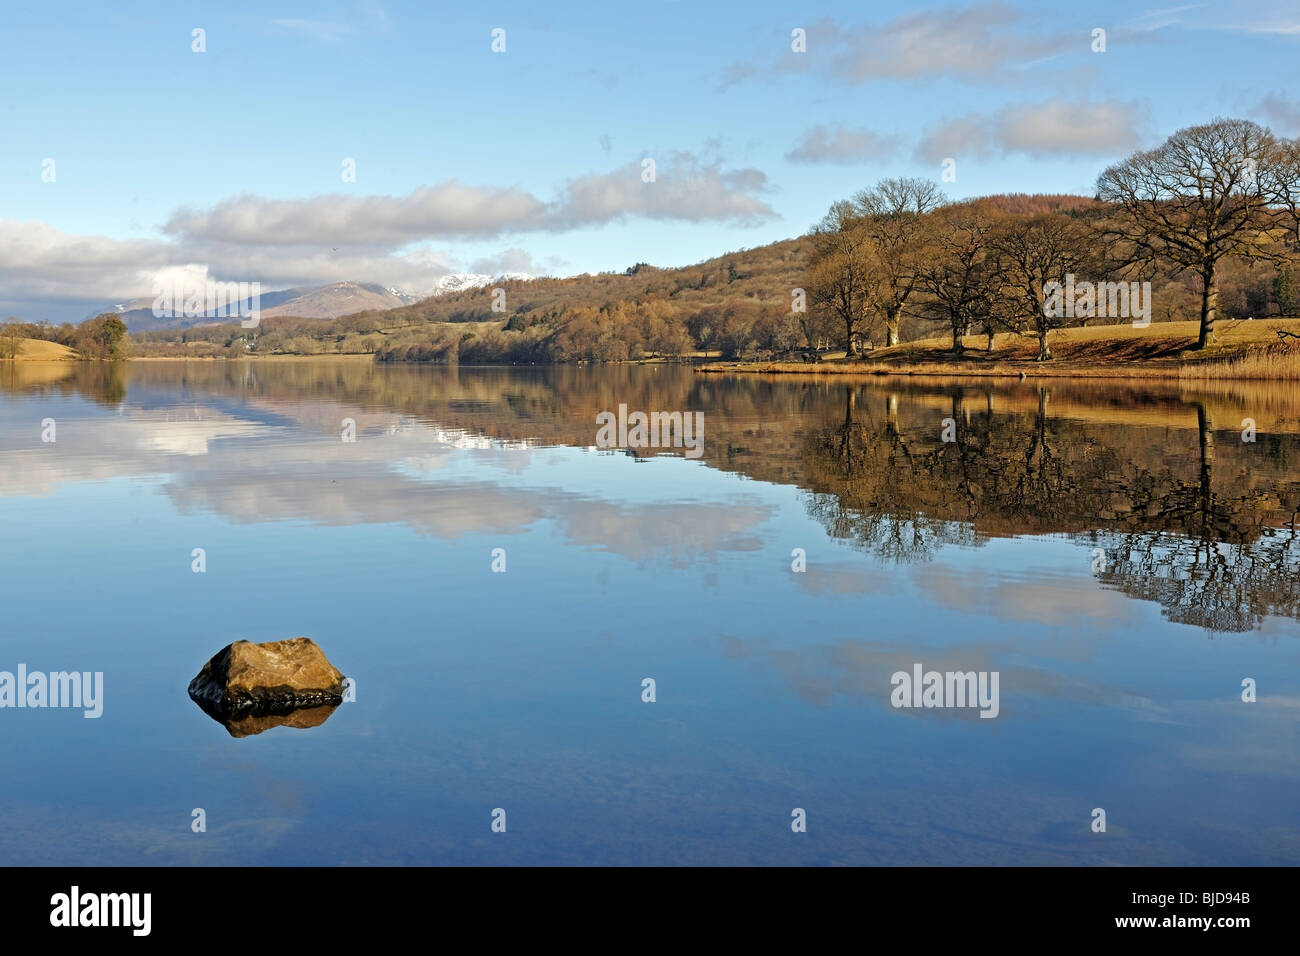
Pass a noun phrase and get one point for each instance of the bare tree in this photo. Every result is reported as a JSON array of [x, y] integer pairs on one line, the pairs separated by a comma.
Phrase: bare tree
[[895, 214], [1037, 250], [1282, 177], [1199, 197], [962, 274], [11, 340], [842, 271]]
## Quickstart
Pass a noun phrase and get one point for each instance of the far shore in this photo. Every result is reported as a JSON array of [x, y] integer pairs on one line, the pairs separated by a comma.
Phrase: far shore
[[283, 357], [1245, 349]]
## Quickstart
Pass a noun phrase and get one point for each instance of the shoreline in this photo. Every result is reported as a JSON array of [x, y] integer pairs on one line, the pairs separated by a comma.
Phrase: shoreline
[[1261, 350], [1243, 366], [1247, 350], [938, 370], [1187, 373]]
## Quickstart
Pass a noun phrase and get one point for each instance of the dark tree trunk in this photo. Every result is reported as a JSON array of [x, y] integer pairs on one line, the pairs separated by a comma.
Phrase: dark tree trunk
[[1209, 308]]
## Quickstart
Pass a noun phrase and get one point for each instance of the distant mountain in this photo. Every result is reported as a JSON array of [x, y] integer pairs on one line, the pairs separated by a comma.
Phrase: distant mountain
[[138, 313], [341, 298], [461, 281], [320, 302]]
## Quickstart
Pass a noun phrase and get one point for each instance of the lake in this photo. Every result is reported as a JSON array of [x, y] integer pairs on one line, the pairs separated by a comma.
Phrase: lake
[[500, 587]]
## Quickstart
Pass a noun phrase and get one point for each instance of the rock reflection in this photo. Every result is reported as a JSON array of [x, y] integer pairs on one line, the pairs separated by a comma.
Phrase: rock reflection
[[251, 723]]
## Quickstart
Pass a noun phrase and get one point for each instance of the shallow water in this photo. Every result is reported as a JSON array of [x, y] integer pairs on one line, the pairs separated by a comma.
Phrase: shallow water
[[1118, 555]]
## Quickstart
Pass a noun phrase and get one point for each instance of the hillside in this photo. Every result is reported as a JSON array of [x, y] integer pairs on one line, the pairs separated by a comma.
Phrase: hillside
[[765, 274], [591, 313], [38, 350]]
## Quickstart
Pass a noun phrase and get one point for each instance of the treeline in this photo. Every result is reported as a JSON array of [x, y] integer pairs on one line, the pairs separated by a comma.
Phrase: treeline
[[616, 332]]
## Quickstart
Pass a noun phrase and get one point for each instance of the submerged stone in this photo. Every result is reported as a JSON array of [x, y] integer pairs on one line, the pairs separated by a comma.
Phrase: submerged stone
[[245, 680]]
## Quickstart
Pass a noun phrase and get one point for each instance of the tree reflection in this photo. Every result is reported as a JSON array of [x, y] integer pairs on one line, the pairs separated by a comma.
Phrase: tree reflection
[[1211, 562], [869, 474], [1214, 545], [1184, 514]]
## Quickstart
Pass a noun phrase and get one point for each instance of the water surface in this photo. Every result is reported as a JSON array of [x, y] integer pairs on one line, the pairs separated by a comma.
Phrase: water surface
[[1118, 554]]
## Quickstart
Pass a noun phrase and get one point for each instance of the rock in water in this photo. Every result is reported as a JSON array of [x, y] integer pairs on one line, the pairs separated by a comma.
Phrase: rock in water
[[245, 679]]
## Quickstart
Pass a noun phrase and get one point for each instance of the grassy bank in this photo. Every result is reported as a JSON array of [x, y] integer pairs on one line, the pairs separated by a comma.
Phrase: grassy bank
[[39, 350], [1246, 349]]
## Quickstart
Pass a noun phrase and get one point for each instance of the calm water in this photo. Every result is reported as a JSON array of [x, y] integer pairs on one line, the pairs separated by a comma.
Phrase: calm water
[[1121, 557]]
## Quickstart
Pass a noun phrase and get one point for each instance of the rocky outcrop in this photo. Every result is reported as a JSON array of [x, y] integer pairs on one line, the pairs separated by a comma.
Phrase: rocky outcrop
[[245, 680]]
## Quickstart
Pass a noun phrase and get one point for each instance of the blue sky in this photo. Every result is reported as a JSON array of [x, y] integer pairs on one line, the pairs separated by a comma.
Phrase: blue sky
[[229, 161]]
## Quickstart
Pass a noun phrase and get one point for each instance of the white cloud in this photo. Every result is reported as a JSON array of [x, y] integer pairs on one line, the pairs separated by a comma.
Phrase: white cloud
[[385, 239], [685, 188], [977, 40], [508, 260], [41, 265], [965, 136], [982, 41], [1058, 126], [1052, 128], [823, 144], [448, 210]]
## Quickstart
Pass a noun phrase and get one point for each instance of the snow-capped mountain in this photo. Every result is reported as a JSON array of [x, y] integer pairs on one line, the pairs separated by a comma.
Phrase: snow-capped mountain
[[461, 281]]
